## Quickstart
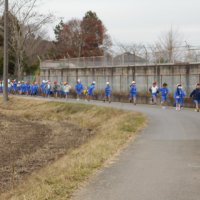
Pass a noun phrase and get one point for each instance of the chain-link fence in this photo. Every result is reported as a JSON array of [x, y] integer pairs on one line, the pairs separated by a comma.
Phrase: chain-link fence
[[127, 59]]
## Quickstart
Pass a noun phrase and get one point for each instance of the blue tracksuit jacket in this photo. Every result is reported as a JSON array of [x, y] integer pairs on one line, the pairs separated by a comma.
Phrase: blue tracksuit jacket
[[164, 92], [79, 88], [107, 91], [133, 91], [90, 89], [179, 95]]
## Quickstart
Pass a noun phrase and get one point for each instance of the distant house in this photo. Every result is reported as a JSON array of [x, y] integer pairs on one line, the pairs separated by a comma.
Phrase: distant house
[[128, 59]]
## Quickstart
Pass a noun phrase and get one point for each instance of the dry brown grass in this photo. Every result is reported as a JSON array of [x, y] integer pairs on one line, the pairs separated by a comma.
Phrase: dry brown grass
[[110, 128]]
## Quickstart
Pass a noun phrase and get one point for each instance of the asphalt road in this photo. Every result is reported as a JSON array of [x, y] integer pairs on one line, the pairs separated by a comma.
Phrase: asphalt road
[[163, 163]]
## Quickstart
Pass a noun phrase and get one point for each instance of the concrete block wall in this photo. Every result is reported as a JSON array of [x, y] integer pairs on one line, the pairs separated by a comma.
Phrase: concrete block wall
[[121, 77]]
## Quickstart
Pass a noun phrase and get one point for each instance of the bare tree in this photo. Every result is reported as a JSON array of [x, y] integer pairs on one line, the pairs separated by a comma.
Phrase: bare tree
[[134, 48], [158, 55], [107, 44], [134, 53], [37, 47], [25, 21], [166, 48]]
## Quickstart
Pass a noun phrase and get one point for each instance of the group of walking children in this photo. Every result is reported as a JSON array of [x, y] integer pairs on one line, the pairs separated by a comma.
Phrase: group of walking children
[[64, 88], [179, 95], [47, 89]]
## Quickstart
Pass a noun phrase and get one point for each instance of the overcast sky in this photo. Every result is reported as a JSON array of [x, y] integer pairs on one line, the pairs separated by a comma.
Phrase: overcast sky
[[134, 21]]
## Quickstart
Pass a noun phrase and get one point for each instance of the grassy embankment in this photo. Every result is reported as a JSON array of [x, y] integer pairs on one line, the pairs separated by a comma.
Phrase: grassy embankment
[[107, 131]]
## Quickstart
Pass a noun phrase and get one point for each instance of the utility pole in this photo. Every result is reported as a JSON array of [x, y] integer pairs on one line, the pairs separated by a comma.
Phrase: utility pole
[[5, 62]]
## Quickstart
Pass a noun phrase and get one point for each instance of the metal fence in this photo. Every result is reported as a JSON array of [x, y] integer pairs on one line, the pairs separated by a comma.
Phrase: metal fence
[[126, 59]]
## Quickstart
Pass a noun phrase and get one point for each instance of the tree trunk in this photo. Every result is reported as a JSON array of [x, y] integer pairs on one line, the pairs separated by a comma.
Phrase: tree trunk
[[19, 66]]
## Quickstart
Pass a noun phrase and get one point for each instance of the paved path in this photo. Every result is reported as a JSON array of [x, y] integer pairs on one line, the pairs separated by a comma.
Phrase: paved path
[[163, 163]]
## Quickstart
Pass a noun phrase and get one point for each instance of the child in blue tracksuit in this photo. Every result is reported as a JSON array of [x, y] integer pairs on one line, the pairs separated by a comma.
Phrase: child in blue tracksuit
[[48, 89], [14, 87], [133, 93], [34, 89], [42, 88], [107, 92], [27, 86], [179, 95], [18, 87], [90, 90], [196, 96], [164, 91], [23, 88], [79, 88]]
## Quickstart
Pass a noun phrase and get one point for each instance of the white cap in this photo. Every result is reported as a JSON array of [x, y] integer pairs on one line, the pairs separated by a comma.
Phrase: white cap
[[78, 80], [107, 83], [43, 81], [133, 82], [94, 82]]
